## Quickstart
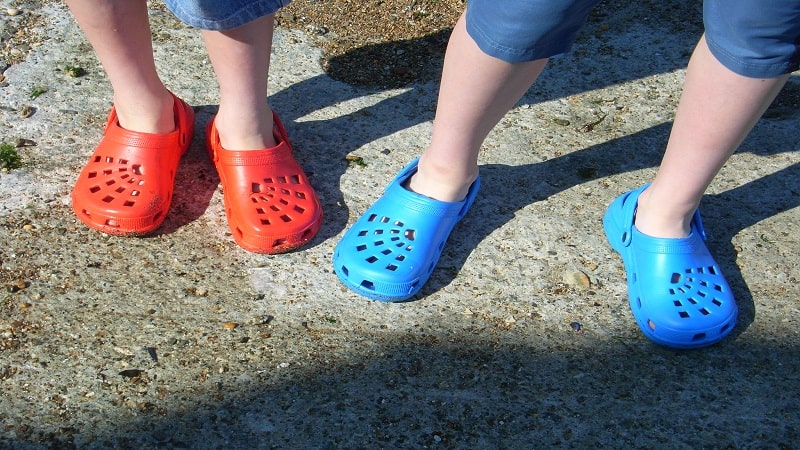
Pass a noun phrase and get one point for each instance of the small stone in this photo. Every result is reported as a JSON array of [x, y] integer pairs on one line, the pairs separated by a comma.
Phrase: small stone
[[131, 373], [27, 227], [26, 111], [230, 325], [17, 285], [13, 12], [577, 279], [263, 320], [21, 142]]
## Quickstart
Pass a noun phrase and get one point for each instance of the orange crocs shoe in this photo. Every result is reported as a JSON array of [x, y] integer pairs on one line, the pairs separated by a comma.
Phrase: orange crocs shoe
[[126, 187], [270, 204]]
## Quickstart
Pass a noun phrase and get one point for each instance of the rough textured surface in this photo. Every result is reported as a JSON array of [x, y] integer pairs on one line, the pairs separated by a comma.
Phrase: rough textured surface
[[522, 338]]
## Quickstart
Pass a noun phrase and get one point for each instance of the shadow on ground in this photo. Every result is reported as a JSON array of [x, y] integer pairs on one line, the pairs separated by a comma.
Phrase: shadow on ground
[[401, 391]]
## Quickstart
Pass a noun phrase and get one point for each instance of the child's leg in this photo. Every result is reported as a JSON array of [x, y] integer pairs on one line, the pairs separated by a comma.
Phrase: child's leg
[[718, 108], [476, 92], [678, 294], [269, 201], [120, 35], [126, 186], [241, 57], [495, 53]]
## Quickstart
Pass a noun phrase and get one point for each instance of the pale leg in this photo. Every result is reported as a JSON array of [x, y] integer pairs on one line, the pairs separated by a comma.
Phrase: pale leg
[[241, 59], [119, 32], [717, 110], [477, 90]]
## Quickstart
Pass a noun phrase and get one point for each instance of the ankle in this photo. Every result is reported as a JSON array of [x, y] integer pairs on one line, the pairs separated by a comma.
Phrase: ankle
[[664, 220], [146, 114], [442, 183], [245, 132]]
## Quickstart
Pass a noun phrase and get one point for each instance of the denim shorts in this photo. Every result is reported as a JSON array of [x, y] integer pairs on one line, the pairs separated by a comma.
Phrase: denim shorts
[[754, 38], [222, 15], [526, 30]]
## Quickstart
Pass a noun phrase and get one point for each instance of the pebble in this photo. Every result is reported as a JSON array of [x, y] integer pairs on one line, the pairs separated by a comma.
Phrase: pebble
[[26, 111], [131, 373], [13, 11], [230, 325], [577, 279], [21, 142], [262, 320], [17, 285]]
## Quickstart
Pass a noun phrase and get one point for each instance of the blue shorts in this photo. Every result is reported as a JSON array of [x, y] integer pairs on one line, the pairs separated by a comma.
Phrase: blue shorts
[[526, 30], [754, 38], [222, 15]]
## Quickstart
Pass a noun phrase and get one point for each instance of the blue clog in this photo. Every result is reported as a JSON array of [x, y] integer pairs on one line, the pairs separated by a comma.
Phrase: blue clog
[[391, 250], [676, 290]]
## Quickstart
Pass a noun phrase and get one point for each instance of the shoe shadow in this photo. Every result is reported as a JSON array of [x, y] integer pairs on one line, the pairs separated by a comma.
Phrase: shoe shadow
[[321, 145], [733, 211], [507, 189], [196, 179]]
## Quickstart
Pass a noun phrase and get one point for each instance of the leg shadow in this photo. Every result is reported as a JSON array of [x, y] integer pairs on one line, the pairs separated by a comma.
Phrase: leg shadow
[[507, 189]]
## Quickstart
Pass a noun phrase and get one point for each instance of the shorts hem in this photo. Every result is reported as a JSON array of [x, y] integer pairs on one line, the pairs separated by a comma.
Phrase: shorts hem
[[510, 54], [747, 69], [237, 18]]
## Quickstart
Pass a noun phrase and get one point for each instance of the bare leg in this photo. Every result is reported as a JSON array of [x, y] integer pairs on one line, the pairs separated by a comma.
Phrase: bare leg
[[718, 108], [477, 90], [119, 32], [241, 61]]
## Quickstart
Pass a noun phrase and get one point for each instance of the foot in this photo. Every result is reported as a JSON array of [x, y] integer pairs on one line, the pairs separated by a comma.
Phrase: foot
[[240, 131], [676, 290], [392, 249], [146, 114], [270, 204], [126, 186]]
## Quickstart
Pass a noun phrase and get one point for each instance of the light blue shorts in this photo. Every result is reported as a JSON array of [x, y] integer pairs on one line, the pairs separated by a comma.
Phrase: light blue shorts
[[526, 30], [754, 38], [222, 15]]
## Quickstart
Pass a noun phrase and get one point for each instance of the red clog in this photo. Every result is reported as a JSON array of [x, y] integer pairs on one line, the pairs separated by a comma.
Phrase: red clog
[[270, 204], [126, 187]]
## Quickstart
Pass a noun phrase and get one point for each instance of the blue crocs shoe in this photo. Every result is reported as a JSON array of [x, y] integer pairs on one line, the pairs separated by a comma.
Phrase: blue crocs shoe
[[676, 290], [391, 250]]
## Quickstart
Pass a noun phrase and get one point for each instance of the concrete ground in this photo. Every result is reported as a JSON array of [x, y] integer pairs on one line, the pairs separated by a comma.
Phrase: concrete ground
[[523, 337]]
